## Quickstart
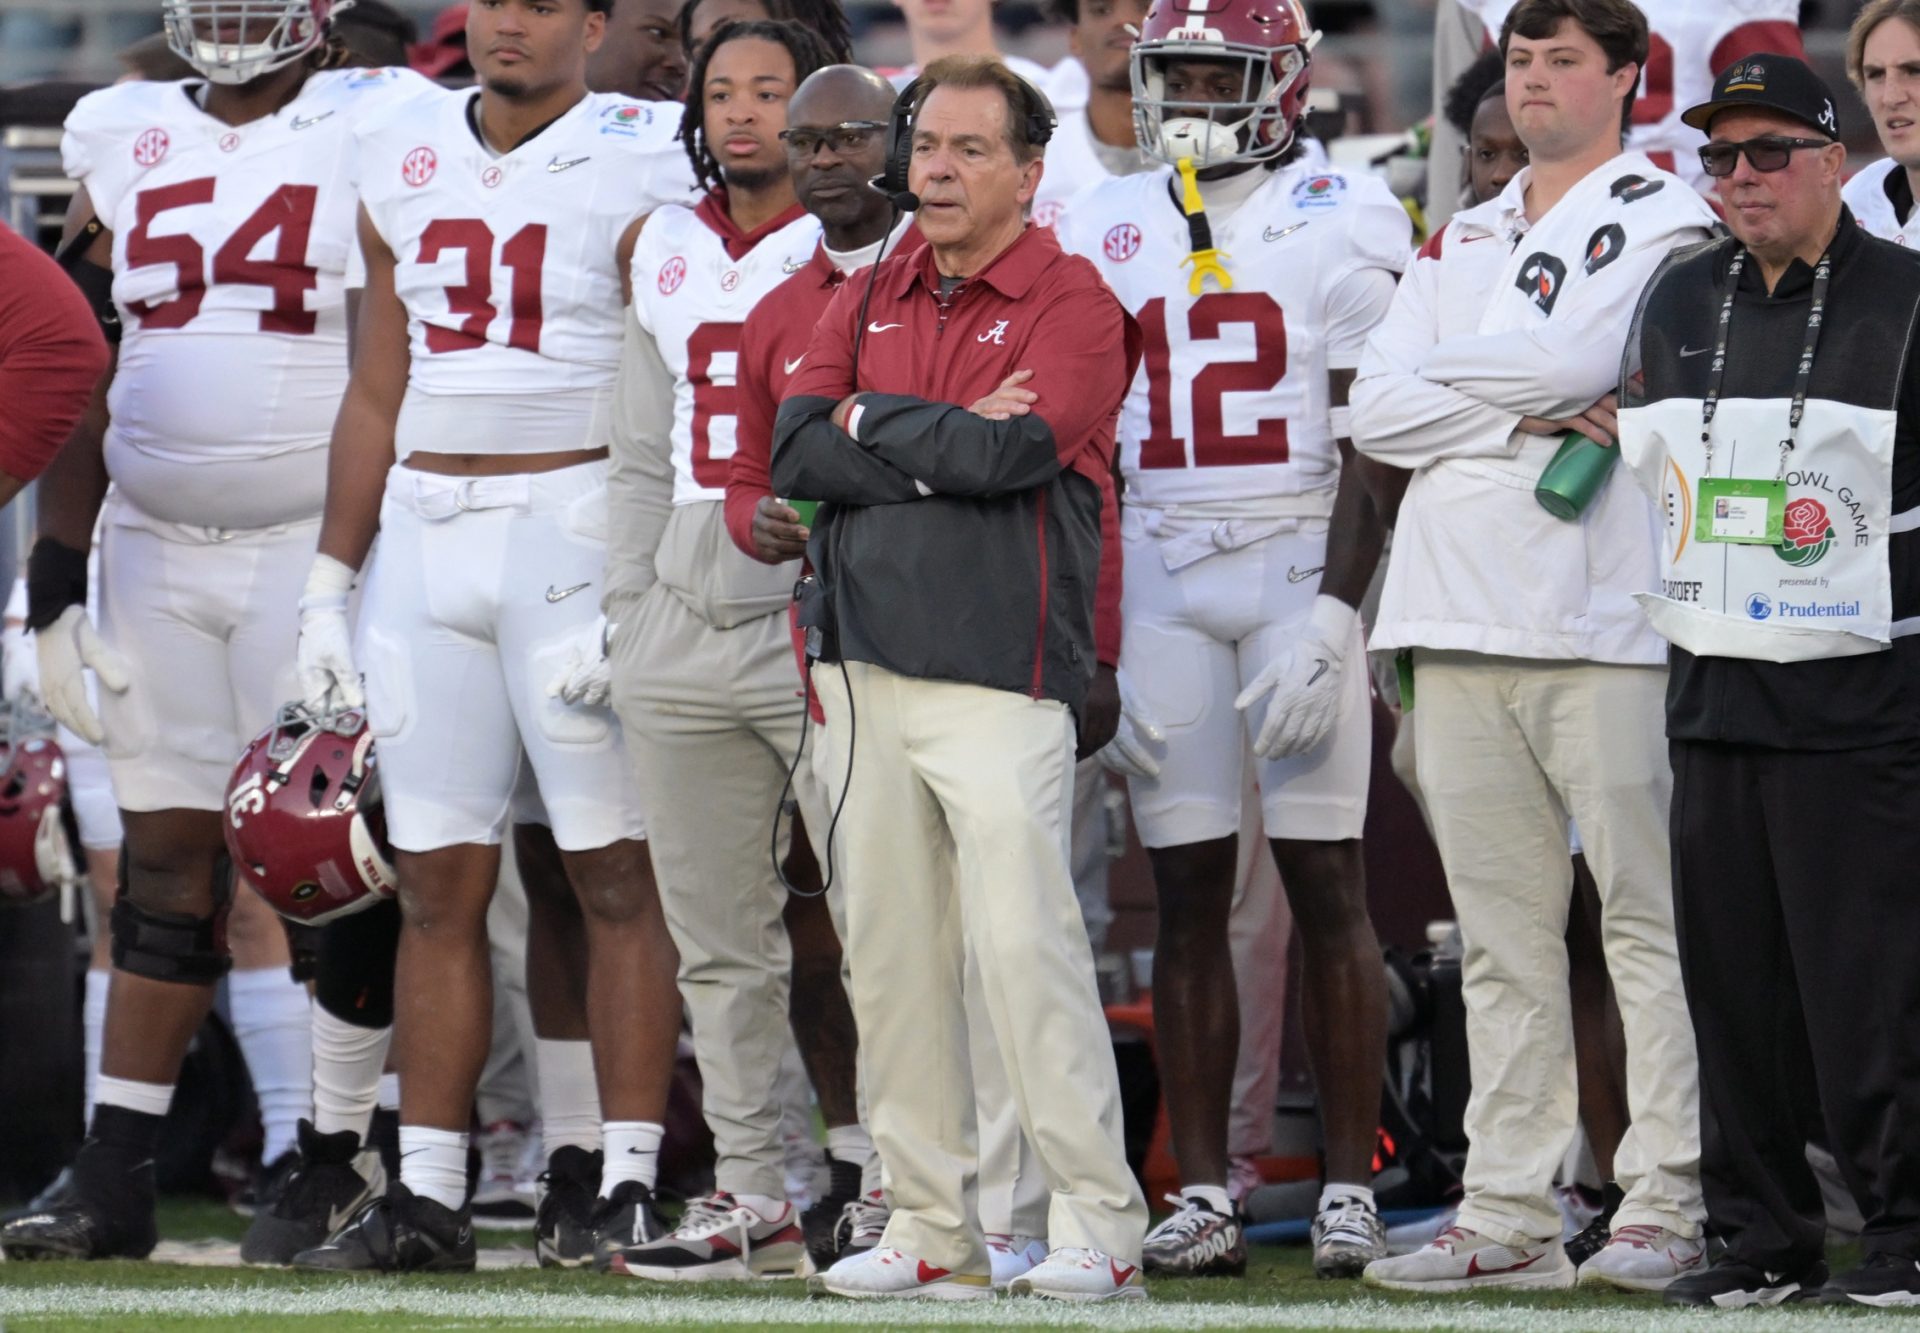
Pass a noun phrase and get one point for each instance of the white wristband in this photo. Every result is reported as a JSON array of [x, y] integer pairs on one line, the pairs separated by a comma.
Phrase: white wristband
[[328, 584], [1340, 422]]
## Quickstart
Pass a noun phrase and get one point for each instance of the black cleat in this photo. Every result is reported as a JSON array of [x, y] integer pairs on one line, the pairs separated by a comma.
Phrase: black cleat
[[1593, 1237], [625, 1218], [332, 1179], [269, 1178], [1886, 1281], [58, 1191], [105, 1211], [821, 1223], [1734, 1284], [563, 1217], [397, 1232]]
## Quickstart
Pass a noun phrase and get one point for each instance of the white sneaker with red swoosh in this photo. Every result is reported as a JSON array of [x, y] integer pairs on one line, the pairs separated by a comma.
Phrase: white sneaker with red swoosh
[[1074, 1274], [1463, 1260], [887, 1273]]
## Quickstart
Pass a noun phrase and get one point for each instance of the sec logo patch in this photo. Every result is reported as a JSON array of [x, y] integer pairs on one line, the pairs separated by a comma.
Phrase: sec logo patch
[[417, 168], [150, 147], [1122, 242], [672, 274]]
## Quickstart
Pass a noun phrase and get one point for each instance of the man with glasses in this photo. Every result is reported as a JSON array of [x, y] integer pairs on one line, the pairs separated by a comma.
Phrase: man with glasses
[[1772, 404]]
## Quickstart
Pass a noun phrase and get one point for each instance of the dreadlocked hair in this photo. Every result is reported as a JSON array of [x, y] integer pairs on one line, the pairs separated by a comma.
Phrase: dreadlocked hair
[[825, 19], [809, 54]]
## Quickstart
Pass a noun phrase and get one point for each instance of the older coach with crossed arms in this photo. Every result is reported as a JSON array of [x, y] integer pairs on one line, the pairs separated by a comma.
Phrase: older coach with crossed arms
[[957, 420]]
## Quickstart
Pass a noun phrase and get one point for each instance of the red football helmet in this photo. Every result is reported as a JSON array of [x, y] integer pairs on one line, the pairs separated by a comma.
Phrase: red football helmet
[[36, 855], [304, 824], [1272, 40], [236, 41]]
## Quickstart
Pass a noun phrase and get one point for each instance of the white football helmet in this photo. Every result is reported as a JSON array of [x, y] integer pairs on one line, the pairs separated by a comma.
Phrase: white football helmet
[[236, 41]]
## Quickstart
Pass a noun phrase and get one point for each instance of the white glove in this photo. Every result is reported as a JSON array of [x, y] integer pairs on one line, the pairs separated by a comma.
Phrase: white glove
[[324, 657], [20, 674], [1127, 753], [1304, 681], [66, 648], [586, 676]]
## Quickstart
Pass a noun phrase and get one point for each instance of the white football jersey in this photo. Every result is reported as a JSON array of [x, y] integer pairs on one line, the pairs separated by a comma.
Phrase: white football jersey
[[1231, 399], [693, 296], [1071, 165], [506, 263], [1866, 195], [1690, 41], [230, 244]]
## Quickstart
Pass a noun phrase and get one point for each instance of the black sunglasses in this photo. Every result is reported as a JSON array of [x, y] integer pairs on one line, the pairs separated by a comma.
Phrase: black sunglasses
[[1770, 152], [849, 136]]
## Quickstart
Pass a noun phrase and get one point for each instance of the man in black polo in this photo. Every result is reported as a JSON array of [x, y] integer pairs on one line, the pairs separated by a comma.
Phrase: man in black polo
[[1772, 404]]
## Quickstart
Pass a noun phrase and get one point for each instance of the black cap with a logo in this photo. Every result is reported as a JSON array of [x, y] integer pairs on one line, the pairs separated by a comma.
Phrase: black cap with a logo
[[1774, 82]]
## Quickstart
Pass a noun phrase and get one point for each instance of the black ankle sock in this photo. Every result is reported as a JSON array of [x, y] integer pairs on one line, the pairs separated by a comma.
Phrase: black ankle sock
[[123, 1132]]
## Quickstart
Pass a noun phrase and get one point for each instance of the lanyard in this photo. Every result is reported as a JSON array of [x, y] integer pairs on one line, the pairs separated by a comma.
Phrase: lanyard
[[1717, 373]]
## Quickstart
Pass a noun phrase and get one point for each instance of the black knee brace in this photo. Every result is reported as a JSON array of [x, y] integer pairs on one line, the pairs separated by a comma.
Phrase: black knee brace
[[169, 946], [354, 977]]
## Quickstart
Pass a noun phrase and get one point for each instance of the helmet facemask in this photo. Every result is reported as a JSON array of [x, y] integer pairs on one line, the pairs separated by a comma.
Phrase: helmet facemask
[[1213, 134], [266, 35]]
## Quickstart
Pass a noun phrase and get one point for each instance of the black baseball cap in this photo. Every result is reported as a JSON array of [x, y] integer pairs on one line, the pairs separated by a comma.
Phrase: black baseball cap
[[1774, 82]]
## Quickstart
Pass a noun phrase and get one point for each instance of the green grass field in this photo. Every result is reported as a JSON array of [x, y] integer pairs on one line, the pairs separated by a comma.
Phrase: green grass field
[[1280, 1293]]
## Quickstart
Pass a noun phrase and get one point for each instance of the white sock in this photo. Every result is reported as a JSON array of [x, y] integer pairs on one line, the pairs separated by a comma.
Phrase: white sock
[[433, 1164], [850, 1143], [389, 1096], [569, 1097], [766, 1205], [147, 1098], [633, 1153], [272, 1021], [93, 1017], [347, 1060], [1214, 1196], [1337, 1190]]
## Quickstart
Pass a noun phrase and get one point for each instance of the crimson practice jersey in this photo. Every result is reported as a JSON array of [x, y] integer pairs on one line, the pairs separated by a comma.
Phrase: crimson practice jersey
[[506, 263], [230, 245], [696, 278], [1690, 41], [1231, 399]]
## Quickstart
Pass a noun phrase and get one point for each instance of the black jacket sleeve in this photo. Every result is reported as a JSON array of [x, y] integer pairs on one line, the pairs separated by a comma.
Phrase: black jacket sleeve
[[955, 452], [816, 460]]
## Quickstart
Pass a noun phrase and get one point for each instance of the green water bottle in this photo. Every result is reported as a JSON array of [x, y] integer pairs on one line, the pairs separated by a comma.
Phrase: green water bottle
[[806, 509], [1573, 478]]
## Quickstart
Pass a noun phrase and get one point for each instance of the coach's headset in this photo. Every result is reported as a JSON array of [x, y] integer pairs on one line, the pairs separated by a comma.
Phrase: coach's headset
[[1037, 120]]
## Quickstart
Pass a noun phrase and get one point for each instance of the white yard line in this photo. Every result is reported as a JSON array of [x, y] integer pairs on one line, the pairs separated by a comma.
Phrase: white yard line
[[645, 1307]]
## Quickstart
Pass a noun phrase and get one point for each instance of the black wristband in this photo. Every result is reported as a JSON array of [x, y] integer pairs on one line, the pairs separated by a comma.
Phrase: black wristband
[[56, 580]]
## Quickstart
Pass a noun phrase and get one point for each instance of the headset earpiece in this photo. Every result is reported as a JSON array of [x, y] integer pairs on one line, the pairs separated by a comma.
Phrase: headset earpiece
[[893, 181]]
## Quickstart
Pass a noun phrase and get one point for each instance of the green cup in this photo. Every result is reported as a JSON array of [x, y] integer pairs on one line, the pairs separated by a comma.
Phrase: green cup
[[806, 509], [1574, 477]]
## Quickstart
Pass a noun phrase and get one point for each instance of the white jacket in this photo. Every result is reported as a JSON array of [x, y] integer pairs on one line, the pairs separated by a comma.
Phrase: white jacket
[[1496, 320]]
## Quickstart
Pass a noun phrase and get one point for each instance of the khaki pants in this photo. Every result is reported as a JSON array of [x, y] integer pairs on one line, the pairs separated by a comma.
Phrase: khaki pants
[[712, 721], [1508, 749], [956, 839]]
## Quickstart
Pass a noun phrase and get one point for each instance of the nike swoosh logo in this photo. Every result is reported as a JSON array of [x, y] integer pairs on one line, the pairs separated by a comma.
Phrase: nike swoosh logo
[[1475, 1270], [794, 364], [1469, 240], [339, 1217], [1121, 1272], [792, 265], [1271, 235], [562, 594], [928, 1273], [557, 165], [881, 328], [1694, 351], [1320, 668], [308, 122], [1295, 575]]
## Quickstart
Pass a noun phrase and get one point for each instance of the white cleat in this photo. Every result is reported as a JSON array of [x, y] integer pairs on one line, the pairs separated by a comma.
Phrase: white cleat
[[1013, 1256], [1074, 1274], [1643, 1258], [1463, 1260], [890, 1274]]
